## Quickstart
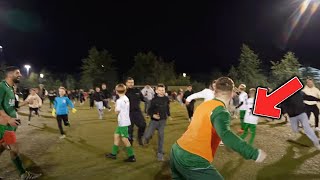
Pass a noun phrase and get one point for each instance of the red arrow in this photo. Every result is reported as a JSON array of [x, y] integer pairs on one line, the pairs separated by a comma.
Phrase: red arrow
[[265, 105]]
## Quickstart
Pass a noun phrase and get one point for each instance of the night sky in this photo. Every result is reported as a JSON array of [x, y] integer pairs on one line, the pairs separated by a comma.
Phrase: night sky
[[57, 34]]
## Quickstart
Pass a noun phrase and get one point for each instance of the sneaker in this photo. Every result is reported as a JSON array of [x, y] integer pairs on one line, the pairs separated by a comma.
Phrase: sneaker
[[144, 141], [160, 157], [221, 143], [111, 156], [109, 109], [67, 123], [317, 129], [62, 136], [130, 159], [28, 175], [104, 107]]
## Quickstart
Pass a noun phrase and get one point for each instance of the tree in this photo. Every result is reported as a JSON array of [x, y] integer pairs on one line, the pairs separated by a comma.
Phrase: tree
[[284, 69], [249, 69], [98, 68], [70, 82]]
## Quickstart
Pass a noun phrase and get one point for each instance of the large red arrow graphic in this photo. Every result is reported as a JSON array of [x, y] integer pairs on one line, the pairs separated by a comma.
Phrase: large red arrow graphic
[[265, 105]]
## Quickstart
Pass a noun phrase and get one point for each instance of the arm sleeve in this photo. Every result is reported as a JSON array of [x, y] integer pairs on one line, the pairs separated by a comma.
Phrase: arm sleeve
[[220, 119], [55, 103], [118, 104], [152, 108], [70, 103], [28, 98], [197, 95], [39, 100], [168, 108]]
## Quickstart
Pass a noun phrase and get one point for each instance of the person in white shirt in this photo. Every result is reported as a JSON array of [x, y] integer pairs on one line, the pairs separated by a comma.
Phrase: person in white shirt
[[35, 102], [206, 94], [121, 133], [148, 94], [311, 106], [242, 108], [250, 120]]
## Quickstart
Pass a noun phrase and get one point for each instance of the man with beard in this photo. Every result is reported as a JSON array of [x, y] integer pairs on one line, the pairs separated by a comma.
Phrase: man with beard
[[9, 121], [136, 117]]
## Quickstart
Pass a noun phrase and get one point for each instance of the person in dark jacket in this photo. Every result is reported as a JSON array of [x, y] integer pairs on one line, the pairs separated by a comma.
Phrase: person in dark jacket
[[135, 97], [98, 98], [190, 105], [159, 111], [107, 96], [294, 109]]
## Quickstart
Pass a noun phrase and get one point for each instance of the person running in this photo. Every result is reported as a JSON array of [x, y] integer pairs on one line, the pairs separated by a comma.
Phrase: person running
[[159, 111], [107, 96], [250, 120], [189, 105], [81, 96], [192, 154], [135, 96], [206, 94], [9, 121], [243, 96], [148, 94], [52, 95], [122, 109], [91, 100], [98, 98], [35, 102], [60, 110], [311, 106], [43, 93], [293, 109]]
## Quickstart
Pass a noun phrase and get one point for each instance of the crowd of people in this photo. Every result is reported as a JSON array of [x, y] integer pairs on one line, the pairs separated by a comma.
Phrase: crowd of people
[[193, 152]]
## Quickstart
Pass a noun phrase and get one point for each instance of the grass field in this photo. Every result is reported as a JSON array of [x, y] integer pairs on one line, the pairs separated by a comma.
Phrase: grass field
[[81, 154]]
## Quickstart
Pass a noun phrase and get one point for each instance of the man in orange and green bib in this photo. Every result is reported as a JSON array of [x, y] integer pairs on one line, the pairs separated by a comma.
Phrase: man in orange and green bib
[[192, 154]]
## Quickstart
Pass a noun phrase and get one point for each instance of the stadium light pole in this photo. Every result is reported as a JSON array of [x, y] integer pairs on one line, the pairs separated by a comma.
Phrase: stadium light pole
[[27, 68]]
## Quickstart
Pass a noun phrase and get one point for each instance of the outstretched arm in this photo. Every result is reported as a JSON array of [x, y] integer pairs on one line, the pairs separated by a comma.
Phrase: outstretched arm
[[198, 95], [220, 119]]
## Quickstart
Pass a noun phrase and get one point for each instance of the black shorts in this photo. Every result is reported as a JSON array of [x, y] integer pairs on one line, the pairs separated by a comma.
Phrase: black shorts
[[34, 110]]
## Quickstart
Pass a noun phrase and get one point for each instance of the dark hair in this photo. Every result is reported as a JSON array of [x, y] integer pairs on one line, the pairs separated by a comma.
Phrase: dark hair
[[161, 85], [11, 69], [129, 78], [310, 78]]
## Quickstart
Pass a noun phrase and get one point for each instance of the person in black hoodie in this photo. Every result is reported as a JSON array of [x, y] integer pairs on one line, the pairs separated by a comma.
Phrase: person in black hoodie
[[107, 96], [98, 98], [159, 111], [294, 109], [190, 105], [135, 97]]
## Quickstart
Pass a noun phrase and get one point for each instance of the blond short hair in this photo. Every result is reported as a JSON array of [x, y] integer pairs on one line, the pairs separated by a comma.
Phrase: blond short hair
[[121, 88]]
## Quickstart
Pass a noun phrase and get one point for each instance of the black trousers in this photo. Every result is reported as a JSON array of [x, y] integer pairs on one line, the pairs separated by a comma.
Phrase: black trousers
[[315, 110], [137, 119], [106, 104], [190, 109], [35, 110], [91, 103], [65, 120]]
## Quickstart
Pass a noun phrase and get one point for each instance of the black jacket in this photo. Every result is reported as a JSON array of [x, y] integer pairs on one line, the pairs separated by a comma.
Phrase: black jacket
[[186, 95], [160, 105], [106, 93], [294, 105], [98, 96], [135, 97]]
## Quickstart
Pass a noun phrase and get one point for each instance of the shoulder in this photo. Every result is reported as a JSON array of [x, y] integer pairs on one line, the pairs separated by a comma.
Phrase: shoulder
[[220, 111]]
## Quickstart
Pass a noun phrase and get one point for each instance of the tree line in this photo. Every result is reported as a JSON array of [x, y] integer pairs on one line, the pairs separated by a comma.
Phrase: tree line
[[99, 67]]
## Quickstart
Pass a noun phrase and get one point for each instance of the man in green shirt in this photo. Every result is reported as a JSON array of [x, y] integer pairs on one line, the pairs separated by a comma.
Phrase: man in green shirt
[[9, 121]]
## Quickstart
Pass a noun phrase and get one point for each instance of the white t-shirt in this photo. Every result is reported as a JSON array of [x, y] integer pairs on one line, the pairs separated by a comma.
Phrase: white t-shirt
[[249, 117], [123, 107], [243, 98], [206, 94]]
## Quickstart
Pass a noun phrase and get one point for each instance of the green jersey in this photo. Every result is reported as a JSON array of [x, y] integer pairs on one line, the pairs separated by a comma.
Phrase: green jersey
[[7, 99]]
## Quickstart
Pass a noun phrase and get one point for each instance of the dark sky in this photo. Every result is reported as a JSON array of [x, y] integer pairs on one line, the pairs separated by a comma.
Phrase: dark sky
[[199, 36]]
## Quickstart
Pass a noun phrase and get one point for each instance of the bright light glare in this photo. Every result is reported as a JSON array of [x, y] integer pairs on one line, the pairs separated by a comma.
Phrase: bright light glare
[[41, 75], [27, 66]]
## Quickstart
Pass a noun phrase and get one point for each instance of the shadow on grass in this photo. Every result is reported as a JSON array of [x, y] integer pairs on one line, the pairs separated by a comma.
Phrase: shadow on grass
[[164, 173], [30, 165], [285, 168], [46, 128], [82, 144], [231, 168]]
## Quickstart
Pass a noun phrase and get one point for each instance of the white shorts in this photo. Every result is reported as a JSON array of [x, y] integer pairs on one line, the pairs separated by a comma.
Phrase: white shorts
[[99, 105]]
